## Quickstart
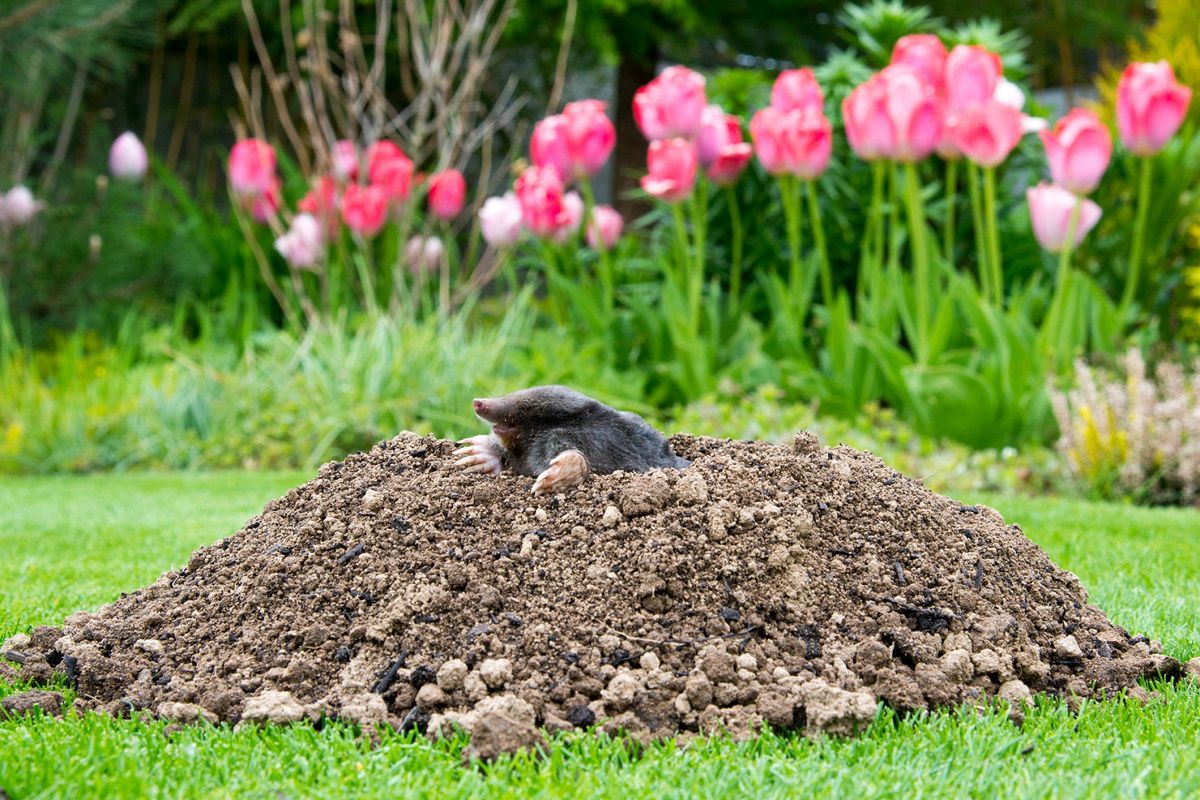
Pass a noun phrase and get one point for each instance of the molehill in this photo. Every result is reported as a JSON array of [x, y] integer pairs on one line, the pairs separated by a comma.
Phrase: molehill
[[789, 584]]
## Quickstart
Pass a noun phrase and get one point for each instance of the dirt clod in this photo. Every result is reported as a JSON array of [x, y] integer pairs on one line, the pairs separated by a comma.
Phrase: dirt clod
[[794, 585], [22, 703]]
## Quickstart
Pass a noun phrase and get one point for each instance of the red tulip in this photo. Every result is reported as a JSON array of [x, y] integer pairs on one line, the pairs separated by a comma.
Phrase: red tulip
[[1151, 105], [447, 193], [672, 169], [605, 228], [540, 193], [797, 90], [1050, 209], [364, 208], [894, 114], [265, 205], [251, 167], [987, 132], [322, 202], [389, 169], [670, 105], [925, 53], [796, 142], [730, 162], [972, 74], [1078, 148]]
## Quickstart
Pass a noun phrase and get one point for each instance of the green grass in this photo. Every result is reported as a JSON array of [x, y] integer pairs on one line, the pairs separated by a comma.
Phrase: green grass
[[75, 542]]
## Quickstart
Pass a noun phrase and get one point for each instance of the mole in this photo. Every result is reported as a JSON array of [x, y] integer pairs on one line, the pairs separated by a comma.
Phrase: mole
[[561, 436]]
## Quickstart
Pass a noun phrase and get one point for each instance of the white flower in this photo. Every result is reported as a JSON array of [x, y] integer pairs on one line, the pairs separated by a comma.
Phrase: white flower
[[127, 158], [19, 206], [303, 245], [500, 220]]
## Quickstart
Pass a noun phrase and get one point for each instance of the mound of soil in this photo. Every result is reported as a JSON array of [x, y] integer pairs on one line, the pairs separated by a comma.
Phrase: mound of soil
[[790, 584]]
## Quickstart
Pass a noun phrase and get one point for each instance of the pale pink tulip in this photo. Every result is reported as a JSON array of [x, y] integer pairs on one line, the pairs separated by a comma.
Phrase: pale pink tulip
[[500, 220], [18, 207], [671, 165], [322, 203], [605, 228], [364, 208], [972, 75], [1078, 149], [303, 245], [540, 193], [345, 160], [717, 130], [670, 105], [575, 143], [424, 254], [1151, 105], [797, 90], [251, 167], [987, 132], [127, 158], [1050, 209], [447, 194], [793, 143], [390, 169], [925, 53]]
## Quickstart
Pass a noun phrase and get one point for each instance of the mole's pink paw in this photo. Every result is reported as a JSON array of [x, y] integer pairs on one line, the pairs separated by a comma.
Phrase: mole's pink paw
[[477, 455], [566, 469]]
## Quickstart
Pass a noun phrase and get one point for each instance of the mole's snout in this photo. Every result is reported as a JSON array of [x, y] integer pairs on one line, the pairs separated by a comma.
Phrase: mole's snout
[[478, 404], [483, 408]]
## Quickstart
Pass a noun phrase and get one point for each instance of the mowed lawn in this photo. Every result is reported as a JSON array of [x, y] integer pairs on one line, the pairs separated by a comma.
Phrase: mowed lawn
[[76, 542]]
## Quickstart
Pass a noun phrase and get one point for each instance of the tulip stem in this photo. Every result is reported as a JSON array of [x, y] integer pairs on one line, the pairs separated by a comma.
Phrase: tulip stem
[[871, 256], [894, 222], [981, 260], [1139, 237], [994, 261], [1057, 324], [814, 211], [735, 266], [699, 234], [604, 266], [951, 206], [791, 210], [916, 226]]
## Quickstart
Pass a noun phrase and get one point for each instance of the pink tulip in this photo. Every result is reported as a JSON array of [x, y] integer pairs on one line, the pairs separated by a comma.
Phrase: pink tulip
[[18, 206], [925, 53], [671, 164], [717, 130], [572, 218], [500, 220], [345, 160], [251, 167], [670, 105], [364, 208], [424, 254], [793, 143], [972, 75], [730, 163], [303, 245], [127, 158], [447, 194], [797, 90], [1078, 149], [605, 228], [576, 143], [894, 114], [1151, 105], [322, 203], [389, 169], [540, 193], [987, 132], [263, 207], [1050, 209]]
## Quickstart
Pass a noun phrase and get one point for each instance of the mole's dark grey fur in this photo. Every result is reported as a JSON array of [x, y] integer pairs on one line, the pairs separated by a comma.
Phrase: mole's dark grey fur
[[533, 426]]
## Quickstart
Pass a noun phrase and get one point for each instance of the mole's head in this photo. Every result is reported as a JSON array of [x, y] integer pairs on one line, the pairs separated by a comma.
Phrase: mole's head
[[515, 416]]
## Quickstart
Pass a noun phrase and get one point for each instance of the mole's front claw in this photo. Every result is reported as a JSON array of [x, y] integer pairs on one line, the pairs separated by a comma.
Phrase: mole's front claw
[[566, 469], [478, 455]]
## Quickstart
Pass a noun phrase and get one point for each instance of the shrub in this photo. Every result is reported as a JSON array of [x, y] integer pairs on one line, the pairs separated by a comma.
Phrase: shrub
[[1133, 435]]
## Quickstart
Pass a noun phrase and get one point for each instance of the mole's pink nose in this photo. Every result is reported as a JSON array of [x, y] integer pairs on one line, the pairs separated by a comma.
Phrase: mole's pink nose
[[479, 405]]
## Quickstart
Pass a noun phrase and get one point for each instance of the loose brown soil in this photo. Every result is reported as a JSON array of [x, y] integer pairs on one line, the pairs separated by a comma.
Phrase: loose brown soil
[[791, 584]]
